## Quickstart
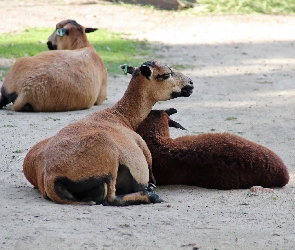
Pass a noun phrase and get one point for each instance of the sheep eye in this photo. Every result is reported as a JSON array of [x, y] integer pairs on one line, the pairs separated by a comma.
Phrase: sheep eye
[[164, 76]]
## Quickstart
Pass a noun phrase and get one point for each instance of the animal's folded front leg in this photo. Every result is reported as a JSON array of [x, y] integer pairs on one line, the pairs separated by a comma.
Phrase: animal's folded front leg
[[143, 197]]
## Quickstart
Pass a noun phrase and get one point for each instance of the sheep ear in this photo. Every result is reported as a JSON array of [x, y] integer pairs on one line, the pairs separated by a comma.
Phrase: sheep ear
[[175, 124], [170, 111], [89, 30], [62, 31], [127, 69], [146, 71]]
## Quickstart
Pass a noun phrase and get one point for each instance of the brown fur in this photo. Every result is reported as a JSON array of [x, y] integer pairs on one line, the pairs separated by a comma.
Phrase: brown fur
[[101, 148], [215, 160], [70, 78]]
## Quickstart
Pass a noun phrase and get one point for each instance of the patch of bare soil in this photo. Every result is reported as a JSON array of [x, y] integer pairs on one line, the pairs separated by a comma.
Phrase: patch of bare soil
[[241, 66]]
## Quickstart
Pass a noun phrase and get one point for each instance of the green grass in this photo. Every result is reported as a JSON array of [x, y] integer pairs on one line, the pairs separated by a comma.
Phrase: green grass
[[231, 118], [115, 50], [182, 66], [112, 47], [18, 151], [244, 7], [28, 43]]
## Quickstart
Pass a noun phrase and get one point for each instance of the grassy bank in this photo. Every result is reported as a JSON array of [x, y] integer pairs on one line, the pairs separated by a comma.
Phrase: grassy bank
[[216, 7], [113, 49]]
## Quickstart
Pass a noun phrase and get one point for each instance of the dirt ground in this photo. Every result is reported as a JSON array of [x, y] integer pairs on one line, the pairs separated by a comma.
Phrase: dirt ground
[[243, 71]]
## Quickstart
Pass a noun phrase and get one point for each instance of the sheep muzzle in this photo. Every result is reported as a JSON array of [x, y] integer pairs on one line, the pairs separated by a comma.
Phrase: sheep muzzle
[[51, 46], [186, 91]]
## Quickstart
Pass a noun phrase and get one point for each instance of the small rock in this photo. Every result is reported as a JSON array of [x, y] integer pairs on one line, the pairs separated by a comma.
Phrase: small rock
[[257, 189]]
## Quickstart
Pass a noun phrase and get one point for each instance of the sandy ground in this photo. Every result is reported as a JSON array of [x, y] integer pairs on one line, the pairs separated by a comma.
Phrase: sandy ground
[[242, 67]]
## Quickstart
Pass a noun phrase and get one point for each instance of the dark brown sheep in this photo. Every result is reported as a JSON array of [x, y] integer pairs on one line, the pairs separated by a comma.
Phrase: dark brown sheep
[[213, 160]]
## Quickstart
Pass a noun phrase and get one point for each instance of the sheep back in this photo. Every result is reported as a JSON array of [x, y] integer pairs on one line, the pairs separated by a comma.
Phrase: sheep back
[[48, 163], [213, 160], [57, 81]]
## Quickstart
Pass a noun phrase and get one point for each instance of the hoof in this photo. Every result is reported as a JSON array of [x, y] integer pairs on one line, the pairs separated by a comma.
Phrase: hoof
[[154, 198]]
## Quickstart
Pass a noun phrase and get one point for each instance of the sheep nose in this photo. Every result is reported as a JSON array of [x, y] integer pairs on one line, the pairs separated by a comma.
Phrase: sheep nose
[[187, 90], [51, 46], [190, 81]]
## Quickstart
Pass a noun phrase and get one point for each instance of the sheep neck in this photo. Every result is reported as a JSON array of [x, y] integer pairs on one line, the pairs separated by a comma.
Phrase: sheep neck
[[80, 43], [158, 128], [135, 105], [161, 131]]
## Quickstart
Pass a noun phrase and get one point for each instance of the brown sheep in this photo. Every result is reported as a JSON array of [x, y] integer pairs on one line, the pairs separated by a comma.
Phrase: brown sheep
[[70, 78], [101, 159], [212, 160]]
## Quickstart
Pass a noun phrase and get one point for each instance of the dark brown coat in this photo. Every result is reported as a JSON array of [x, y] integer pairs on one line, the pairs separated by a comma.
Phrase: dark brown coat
[[213, 160]]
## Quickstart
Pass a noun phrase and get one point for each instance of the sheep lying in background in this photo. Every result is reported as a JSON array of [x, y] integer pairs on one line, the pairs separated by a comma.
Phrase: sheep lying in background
[[101, 159], [71, 78], [214, 160]]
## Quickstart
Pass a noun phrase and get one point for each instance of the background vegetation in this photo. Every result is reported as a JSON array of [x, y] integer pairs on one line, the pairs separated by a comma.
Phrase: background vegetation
[[112, 47], [244, 7]]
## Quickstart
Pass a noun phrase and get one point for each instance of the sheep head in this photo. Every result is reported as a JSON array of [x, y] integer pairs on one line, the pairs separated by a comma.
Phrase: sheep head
[[172, 123], [69, 35], [162, 117], [157, 124], [160, 81]]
